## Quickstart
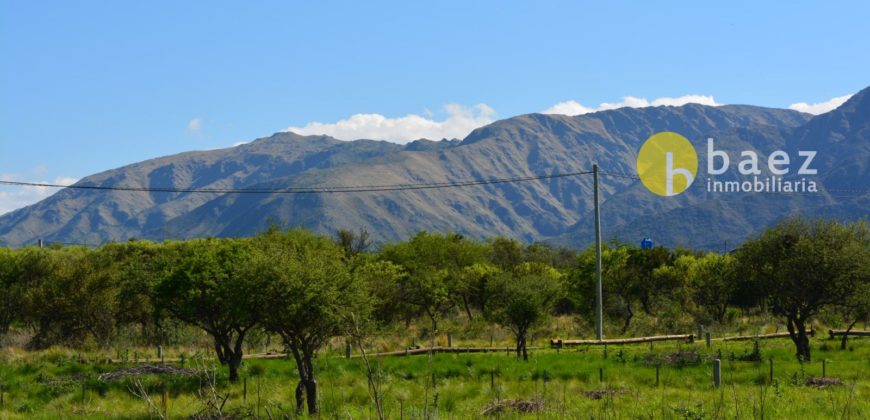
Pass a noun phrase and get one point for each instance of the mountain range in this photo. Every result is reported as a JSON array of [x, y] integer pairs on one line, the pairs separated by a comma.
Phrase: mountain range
[[557, 210]]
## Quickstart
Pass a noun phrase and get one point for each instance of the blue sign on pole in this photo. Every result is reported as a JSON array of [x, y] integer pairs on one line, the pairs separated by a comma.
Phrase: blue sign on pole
[[646, 243]]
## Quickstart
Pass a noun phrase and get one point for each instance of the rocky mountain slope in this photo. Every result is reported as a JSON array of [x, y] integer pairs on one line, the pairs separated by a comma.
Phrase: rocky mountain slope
[[557, 210]]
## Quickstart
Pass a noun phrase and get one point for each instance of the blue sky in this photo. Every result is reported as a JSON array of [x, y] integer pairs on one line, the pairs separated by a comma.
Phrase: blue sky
[[88, 86]]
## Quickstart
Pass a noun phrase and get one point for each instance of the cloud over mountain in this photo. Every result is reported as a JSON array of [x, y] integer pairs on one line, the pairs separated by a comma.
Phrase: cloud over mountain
[[572, 107], [459, 121], [820, 107]]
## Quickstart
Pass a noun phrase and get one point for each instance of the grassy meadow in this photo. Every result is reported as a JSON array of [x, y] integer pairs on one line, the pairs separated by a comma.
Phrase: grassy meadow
[[61, 383]]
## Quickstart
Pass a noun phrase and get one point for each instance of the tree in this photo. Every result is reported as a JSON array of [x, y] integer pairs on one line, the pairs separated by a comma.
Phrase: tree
[[644, 285], [353, 243], [382, 279], [506, 253], [617, 288], [73, 295], [11, 288], [472, 285], [855, 307], [434, 264], [711, 282], [804, 266], [311, 298], [139, 265], [523, 299], [209, 286]]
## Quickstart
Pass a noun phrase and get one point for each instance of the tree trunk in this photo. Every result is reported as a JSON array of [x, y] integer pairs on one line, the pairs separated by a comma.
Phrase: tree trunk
[[310, 384], [521, 344], [525, 350], [303, 378], [434, 319], [467, 308], [311, 393], [235, 357], [628, 317], [846, 335], [234, 370], [646, 305], [300, 397], [798, 333]]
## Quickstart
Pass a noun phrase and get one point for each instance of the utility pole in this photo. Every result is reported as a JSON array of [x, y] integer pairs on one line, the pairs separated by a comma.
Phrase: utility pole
[[599, 332]]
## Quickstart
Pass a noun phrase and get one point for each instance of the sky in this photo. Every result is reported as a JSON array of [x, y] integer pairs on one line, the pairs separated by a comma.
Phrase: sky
[[89, 86]]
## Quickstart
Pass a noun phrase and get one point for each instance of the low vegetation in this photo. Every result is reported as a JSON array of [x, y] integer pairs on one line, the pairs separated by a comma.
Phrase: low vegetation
[[71, 314]]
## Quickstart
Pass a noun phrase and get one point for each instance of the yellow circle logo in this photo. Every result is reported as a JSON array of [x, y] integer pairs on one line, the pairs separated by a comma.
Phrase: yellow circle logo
[[667, 163]]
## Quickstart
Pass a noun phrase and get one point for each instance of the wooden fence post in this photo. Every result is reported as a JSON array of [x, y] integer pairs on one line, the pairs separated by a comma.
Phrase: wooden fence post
[[717, 372], [164, 398], [771, 370], [658, 367]]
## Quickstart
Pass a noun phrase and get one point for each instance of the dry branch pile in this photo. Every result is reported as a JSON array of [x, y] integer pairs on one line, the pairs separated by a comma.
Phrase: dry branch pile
[[520, 406]]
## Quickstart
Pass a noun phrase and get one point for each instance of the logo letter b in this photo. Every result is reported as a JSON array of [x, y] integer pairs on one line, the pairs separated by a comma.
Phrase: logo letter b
[[670, 171], [712, 154]]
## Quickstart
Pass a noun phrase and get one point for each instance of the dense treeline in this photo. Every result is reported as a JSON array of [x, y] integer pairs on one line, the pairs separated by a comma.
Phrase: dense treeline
[[306, 288]]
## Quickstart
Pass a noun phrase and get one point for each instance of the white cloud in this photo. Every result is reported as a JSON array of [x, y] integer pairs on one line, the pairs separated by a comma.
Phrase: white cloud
[[821, 107], [14, 197], [194, 126], [573, 107], [459, 121]]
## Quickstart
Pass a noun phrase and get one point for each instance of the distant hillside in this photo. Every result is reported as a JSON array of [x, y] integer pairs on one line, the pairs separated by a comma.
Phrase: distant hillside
[[557, 210]]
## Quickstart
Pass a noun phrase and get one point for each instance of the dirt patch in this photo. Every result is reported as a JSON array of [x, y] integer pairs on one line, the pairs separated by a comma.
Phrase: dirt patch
[[601, 393], [145, 370], [520, 406], [818, 382]]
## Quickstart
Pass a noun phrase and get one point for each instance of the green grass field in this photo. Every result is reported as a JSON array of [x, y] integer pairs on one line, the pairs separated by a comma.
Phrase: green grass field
[[50, 384]]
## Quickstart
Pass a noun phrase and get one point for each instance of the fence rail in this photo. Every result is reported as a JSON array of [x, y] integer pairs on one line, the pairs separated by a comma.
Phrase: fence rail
[[557, 343]]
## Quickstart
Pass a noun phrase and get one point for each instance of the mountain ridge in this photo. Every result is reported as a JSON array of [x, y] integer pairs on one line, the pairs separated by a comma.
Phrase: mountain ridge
[[555, 210]]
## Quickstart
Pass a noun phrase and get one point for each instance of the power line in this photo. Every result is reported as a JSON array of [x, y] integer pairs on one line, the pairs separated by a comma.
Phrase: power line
[[313, 190]]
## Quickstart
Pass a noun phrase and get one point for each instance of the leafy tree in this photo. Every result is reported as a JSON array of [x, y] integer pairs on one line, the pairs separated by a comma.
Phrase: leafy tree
[[472, 284], [311, 298], [434, 264], [855, 307], [804, 266], [211, 287], [556, 256], [382, 279], [641, 281], [628, 278], [74, 295], [710, 283], [139, 265], [522, 300], [353, 243], [506, 253], [617, 290], [11, 289]]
